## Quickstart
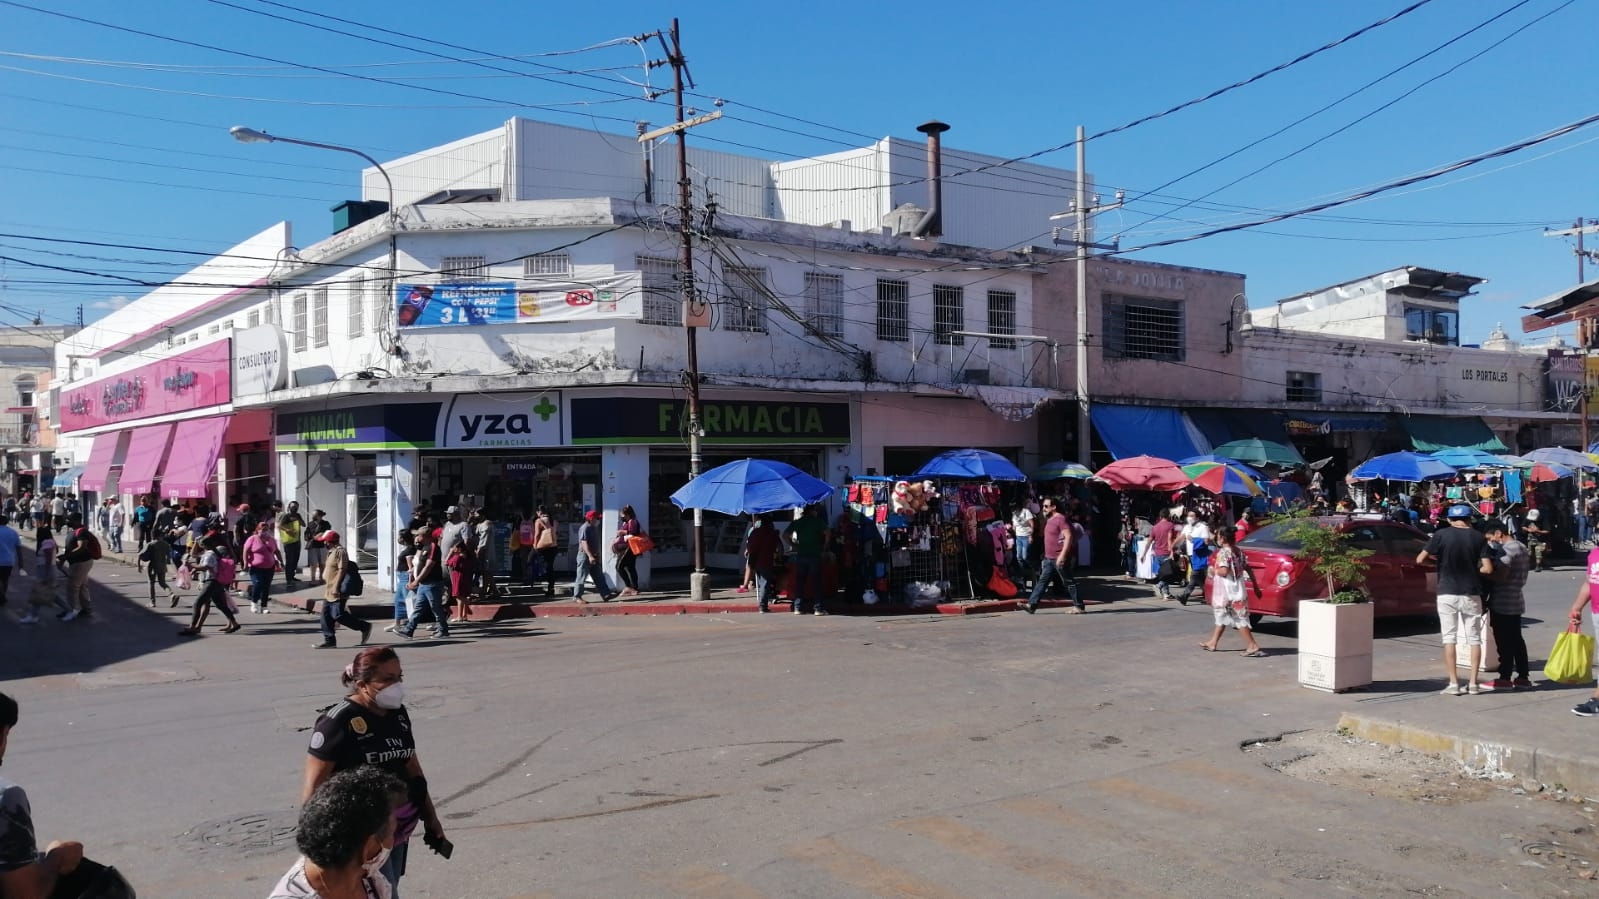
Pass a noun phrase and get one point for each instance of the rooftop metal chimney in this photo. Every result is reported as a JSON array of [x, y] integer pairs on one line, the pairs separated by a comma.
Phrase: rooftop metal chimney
[[932, 223]]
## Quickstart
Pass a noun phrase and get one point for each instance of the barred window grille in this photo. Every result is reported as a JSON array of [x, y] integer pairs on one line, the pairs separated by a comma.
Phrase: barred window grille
[[1143, 328], [824, 303], [319, 317], [463, 269], [252, 318], [269, 314], [1002, 318], [358, 288], [382, 291], [1304, 387], [893, 310], [744, 305], [547, 264], [302, 322], [663, 302], [949, 314]]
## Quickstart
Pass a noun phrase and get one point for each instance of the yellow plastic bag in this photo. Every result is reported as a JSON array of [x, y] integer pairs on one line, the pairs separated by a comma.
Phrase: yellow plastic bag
[[1571, 661]]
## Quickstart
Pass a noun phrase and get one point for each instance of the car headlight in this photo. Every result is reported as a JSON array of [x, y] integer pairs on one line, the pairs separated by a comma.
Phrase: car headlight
[[1283, 578]]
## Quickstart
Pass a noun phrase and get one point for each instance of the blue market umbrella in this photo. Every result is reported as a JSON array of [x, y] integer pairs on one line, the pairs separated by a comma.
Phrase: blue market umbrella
[[1560, 456], [1466, 457], [1059, 469], [1407, 466], [753, 486], [970, 463], [1223, 460]]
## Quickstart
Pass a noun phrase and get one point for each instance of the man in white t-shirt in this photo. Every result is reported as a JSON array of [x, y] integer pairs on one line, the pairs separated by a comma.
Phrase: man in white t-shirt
[[1196, 543]]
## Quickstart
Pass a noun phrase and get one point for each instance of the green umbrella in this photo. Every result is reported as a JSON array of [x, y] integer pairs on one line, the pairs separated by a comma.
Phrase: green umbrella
[[1256, 451], [1060, 468]]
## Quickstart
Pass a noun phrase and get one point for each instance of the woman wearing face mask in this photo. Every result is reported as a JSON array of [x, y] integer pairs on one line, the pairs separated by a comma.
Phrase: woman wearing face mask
[[371, 727], [345, 836]]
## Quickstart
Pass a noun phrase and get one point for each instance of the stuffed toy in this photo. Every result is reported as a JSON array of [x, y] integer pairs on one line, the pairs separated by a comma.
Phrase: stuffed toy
[[916, 497], [901, 500]]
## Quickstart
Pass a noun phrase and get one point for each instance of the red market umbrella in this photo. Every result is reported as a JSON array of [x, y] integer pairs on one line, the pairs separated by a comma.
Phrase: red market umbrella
[[1143, 473], [1542, 472]]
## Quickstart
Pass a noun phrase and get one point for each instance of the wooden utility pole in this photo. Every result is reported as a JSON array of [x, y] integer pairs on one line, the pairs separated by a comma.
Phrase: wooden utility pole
[[694, 311]]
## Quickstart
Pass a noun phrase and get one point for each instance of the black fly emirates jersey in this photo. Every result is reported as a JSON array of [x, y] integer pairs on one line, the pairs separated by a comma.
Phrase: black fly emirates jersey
[[350, 735]]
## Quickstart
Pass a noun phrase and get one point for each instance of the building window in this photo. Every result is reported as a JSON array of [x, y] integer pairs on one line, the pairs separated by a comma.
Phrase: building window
[[1002, 318], [319, 317], [252, 318], [893, 310], [662, 304], [358, 306], [1142, 328], [270, 313], [745, 304], [547, 264], [824, 303], [949, 314], [1432, 326], [214, 329], [382, 293], [1304, 387], [26, 384], [301, 322], [463, 269]]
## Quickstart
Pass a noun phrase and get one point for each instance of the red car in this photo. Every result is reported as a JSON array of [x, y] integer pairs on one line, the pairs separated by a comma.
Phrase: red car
[[1396, 584]]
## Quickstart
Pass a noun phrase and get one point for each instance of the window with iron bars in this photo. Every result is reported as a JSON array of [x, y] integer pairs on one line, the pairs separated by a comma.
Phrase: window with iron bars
[[302, 326], [358, 287], [319, 317], [744, 306], [949, 314], [1143, 328], [252, 318], [893, 310], [463, 269], [1304, 387], [663, 304], [382, 295], [824, 303], [1002, 318], [547, 264]]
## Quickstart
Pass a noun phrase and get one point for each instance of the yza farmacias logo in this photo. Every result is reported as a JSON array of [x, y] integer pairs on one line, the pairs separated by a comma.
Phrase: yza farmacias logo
[[485, 427]]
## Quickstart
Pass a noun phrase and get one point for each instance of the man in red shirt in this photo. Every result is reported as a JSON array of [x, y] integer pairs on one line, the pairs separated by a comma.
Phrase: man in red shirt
[[1059, 544], [762, 548]]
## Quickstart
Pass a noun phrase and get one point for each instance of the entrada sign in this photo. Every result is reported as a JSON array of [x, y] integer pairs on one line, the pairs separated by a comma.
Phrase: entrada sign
[[665, 420]]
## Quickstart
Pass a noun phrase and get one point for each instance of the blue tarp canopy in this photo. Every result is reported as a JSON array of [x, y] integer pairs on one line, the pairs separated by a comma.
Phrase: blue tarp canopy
[[1159, 431], [1429, 433], [1226, 425]]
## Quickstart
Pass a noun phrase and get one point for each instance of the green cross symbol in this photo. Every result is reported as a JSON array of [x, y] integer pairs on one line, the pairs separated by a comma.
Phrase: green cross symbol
[[545, 408]]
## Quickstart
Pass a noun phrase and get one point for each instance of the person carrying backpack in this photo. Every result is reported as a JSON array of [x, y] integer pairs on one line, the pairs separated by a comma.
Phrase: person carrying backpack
[[77, 557]]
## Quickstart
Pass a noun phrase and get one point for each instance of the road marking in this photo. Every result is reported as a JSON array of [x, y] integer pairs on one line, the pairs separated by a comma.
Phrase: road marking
[[699, 880], [866, 873], [960, 838]]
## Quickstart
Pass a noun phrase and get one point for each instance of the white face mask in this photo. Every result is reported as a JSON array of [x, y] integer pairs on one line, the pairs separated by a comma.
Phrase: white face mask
[[390, 697], [373, 867]]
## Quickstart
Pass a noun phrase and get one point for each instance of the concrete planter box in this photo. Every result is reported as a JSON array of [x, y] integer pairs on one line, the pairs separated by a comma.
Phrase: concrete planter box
[[1335, 645]]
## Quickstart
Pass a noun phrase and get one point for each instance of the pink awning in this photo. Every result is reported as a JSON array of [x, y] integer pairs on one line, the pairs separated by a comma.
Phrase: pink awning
[[146, 450], [98, 468], [194, 457]]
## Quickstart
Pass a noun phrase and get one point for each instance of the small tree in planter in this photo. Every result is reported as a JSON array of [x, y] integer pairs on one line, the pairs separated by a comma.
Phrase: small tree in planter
[[1331, 553]]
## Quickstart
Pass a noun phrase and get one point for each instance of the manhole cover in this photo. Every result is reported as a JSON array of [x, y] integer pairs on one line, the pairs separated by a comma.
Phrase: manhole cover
[[255, 832]]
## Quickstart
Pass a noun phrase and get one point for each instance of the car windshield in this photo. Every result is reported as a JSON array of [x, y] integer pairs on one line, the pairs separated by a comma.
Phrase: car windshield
[[1271, 536]]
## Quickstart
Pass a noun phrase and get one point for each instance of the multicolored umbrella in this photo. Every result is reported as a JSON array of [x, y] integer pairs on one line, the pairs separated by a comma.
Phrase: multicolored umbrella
[[1059, 469], [1221, 479], [1212, 457], [1542, 472], [1143, 473], [1256, 451]]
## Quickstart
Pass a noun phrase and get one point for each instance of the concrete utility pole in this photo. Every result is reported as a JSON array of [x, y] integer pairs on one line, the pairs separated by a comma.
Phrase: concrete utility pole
[[694, 311], [1585, 327], [1081, 210]]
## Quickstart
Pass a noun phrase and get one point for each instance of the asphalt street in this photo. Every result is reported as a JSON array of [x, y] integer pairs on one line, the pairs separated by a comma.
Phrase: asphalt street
[[764, 755]]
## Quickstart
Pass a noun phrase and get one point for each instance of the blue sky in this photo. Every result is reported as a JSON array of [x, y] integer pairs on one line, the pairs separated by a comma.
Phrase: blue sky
[[126, 142]]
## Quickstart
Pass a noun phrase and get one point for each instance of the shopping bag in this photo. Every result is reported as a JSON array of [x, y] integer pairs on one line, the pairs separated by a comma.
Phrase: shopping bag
[[185, 582], [1571, 661]]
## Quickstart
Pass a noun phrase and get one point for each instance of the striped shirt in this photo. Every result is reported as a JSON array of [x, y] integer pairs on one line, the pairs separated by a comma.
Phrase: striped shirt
[[1506, 596]]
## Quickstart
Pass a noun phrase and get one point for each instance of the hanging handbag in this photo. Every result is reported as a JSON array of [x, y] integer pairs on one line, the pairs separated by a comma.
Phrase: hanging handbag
[[639, 544], [351, 584]]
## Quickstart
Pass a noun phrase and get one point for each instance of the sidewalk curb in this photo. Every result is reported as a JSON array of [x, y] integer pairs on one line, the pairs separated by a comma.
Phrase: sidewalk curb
[[1577, 774]]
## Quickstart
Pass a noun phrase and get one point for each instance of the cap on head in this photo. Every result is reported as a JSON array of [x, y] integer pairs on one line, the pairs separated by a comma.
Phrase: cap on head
[[1458, 512], [327, 537], [453, 510], [591, 515], [1532, 515]]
